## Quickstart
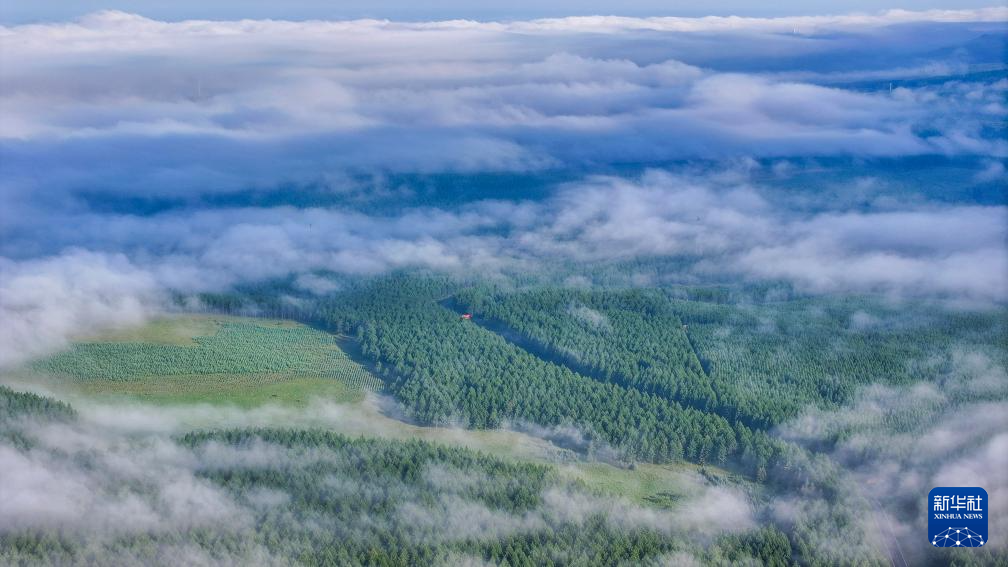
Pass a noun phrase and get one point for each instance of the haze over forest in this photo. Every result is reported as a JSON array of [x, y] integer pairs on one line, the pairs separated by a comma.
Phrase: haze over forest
[[635, 289]]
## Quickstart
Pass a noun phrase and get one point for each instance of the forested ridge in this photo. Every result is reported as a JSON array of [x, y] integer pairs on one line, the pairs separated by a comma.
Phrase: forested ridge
[[447, 370], [16, 407], [630, 338], [757, 363], [327, 499], [314, 497]]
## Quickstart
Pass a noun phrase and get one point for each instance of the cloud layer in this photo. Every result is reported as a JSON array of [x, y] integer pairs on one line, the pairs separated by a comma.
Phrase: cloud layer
[[43, 303], [202, 101], [141, 155], [727, 230], [893, 445]]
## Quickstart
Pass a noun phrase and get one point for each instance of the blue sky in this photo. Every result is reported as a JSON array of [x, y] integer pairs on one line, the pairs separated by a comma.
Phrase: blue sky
[[54, 10]]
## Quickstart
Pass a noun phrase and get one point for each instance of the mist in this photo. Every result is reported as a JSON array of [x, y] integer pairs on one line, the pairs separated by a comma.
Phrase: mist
[[118, 472]]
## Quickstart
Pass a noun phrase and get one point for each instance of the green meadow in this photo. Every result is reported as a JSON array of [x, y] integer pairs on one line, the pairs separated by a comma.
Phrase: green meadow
[[219, 360]]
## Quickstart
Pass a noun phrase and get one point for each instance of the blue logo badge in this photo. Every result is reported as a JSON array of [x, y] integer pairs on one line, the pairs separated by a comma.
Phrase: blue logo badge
[[957, 516]]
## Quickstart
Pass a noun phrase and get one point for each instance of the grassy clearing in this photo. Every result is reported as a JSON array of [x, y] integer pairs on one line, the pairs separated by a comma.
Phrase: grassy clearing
[[246, 391], [219, 360], [663, 486], [645, 484]]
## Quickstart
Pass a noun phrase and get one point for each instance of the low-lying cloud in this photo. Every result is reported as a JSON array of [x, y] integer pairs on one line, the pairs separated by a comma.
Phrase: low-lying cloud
[[894, 444], [729, 230], [82, 480], [46, 302]]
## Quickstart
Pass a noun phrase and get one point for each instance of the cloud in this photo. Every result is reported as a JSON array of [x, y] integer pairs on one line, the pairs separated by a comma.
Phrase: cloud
[[781, 24], [728, 227], [46, 302], [315, 284], [710, 512], [83, 481], [894, 444], [590, 316], [220, 106], [955, 251], [994, 171], [144, 156]]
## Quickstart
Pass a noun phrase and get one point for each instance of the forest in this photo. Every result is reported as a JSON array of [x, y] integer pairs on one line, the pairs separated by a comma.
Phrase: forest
[[761, 363], [306, 493]]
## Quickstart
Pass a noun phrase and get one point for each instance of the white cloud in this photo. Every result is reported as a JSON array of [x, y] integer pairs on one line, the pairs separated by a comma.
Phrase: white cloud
[[803, 24], [126, 486], [927, 250], [894, 444], [402, 95], [197, 110], [44, 303]]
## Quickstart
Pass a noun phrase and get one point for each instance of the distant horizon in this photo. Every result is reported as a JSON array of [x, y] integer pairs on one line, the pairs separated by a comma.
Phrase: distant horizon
[[302, 10]]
